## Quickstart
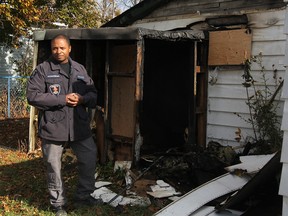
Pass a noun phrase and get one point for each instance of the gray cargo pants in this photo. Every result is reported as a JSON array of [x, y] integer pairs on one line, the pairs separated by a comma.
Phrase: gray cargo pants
[[86, 153]]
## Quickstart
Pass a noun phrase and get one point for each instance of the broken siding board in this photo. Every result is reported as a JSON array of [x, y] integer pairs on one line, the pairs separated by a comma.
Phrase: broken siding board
[[251, 163], [260, 179], [203, 194], [229, 47]]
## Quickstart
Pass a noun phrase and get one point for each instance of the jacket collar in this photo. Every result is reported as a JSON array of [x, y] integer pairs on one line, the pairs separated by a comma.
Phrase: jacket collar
[[56, 66]]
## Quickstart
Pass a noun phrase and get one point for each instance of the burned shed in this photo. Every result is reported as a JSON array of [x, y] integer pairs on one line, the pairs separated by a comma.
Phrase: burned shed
[[236, 30], [150, 85]]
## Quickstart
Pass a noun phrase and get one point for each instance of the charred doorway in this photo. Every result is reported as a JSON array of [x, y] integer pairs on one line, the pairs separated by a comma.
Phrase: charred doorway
[[170, 111]]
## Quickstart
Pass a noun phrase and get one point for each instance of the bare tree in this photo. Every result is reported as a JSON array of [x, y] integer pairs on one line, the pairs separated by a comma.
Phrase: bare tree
[[107, 9], [126, 4]]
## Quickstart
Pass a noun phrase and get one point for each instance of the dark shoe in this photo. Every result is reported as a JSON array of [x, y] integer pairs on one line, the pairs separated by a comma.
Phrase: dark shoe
[[90, 201], [60, 211]]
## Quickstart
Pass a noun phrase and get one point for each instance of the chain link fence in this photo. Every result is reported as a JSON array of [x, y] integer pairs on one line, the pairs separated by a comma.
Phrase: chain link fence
[[13, 103]]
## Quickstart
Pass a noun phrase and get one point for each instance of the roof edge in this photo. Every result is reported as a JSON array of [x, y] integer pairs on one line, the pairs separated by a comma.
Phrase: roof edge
[[136, 12]]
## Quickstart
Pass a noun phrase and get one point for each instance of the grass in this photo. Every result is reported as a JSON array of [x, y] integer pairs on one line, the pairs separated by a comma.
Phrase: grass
[[23, 188]]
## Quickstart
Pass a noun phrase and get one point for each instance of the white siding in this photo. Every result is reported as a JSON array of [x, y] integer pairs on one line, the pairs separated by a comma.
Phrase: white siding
[[283, 189], [270, 41]]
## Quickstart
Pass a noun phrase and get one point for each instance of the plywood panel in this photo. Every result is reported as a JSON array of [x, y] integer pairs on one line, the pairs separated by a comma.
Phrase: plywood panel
[[122, 108], [123, 59], [229, 47]]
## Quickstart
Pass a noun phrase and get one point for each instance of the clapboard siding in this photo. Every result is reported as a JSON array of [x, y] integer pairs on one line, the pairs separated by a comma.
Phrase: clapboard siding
[[233, 105], [269, 47], [220, 118], [228, 86], [216, 105], [228, 91], [283, 190], [264, 34], [226, 134], [235, 77]]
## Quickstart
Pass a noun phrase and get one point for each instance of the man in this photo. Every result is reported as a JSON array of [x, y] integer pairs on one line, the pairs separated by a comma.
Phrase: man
[[62, 91]]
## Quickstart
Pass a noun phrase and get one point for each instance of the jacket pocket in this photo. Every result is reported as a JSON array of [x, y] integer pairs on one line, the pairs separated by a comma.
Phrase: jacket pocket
[[54, 116]]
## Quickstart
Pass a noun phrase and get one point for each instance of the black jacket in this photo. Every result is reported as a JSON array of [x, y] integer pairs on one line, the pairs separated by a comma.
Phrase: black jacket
[[46, 90]]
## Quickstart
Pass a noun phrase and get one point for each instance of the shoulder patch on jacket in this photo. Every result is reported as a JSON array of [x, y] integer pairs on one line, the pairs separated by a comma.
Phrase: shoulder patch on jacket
[[55, 89]]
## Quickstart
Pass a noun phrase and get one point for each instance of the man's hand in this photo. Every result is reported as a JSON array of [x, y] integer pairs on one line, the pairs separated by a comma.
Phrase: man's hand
[[73, 99]]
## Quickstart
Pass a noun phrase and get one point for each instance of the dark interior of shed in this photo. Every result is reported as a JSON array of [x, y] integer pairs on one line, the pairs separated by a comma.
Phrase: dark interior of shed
[[167, 99]]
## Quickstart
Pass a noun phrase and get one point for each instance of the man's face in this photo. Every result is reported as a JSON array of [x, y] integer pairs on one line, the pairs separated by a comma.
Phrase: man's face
[[60, 50]]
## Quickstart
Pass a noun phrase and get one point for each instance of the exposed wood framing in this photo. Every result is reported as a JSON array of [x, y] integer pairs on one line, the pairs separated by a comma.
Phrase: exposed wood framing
[[33, 110]]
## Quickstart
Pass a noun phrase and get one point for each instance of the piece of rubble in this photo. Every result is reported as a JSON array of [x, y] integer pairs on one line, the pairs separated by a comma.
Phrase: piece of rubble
[[100, 184], [162, 189]]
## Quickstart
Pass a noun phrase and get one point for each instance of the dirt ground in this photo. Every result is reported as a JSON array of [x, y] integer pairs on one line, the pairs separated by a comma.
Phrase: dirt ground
[[14, 133]]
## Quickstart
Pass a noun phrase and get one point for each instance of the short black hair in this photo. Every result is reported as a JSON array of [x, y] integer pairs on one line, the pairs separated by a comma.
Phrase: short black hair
[[62, 36]]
